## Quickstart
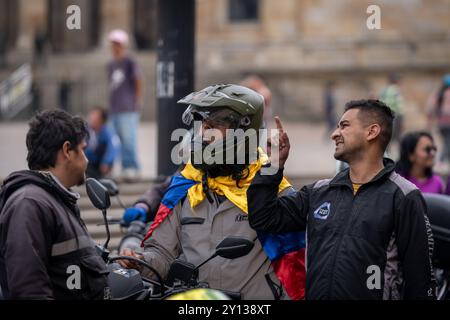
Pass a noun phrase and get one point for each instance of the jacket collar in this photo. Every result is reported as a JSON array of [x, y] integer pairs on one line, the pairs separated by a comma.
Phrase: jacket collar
[[43, 179], [74, 196], [343, 177]]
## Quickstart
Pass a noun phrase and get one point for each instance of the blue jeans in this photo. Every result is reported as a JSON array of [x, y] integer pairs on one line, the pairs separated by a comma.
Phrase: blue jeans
[[126, 125]]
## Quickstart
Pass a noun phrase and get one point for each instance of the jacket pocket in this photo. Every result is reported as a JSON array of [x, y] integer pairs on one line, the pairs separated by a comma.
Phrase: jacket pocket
[[192, 220], [94, 277]]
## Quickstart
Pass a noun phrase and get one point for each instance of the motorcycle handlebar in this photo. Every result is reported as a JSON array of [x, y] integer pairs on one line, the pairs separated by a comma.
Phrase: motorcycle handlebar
[[145, 264], [164, 294]]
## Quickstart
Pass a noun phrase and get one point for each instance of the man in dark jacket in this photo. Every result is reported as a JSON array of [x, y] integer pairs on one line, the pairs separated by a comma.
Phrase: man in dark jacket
[[368, 235], [45, 249]]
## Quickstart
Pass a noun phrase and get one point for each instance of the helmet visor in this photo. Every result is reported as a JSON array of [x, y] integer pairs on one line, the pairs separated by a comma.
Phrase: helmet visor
[[215, 117]]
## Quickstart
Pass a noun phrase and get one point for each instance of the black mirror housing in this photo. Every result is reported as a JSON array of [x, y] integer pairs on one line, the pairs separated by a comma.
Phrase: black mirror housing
[[181, 270], [111, 186], [234, 247], [98, 194]]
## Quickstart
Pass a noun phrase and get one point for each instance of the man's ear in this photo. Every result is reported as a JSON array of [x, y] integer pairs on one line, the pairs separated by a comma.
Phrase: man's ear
[[66, 149], [373, 131]]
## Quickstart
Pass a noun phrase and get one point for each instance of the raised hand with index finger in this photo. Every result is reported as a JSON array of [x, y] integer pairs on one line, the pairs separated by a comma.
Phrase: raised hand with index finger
[[282, 141]]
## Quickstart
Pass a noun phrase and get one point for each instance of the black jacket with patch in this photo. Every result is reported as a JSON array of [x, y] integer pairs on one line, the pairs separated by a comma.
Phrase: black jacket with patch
[[376, 244], [45, 249]]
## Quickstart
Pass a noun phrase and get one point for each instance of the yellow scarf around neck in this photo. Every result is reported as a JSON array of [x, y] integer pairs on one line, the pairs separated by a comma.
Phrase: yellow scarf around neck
[[226, 186]]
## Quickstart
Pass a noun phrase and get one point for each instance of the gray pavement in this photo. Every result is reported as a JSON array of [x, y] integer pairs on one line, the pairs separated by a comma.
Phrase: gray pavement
[[311, 153]]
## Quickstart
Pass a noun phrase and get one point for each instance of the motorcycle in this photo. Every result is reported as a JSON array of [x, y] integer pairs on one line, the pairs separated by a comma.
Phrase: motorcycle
[[439, 216], [182, 275]]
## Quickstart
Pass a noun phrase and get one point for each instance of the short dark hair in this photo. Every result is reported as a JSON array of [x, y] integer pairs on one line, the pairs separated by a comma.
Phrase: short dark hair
[[377, 111], [103, 112], [47, 134]]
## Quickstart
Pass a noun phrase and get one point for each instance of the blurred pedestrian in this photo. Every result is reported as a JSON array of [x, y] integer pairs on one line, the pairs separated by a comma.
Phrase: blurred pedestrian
[[447, 190], [103, 145], [417, 155], [126, 99], [40, 46], [257, 84], [439, 110], [393, 98], [330, 107], [65, 94]]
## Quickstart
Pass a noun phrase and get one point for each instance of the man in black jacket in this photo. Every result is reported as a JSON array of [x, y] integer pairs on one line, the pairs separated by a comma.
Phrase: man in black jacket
[[45, 249], [368, 235]]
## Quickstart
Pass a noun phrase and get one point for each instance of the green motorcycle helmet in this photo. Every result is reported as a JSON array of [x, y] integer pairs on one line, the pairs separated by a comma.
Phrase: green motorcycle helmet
[[236, 106], [247, 103]]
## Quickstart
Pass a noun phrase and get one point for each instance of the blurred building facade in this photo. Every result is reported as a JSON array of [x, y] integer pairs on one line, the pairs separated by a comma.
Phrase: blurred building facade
[[295, 45]]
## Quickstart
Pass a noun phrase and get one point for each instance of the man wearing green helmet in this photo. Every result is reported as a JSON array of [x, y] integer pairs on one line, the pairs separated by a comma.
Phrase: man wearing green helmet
[[207, 200], [225, 138]]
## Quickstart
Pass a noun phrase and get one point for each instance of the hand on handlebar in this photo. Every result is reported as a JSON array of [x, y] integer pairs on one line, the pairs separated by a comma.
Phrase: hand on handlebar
[[128, 264]]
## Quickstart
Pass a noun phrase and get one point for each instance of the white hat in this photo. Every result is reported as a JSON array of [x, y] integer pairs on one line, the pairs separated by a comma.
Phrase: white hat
[[119, 36]]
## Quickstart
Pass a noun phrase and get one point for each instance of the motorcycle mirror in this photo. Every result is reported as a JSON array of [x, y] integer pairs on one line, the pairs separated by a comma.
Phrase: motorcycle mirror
[[98, 194], [234, 247], [99, 197], [231, 247], [111, 186], [181, 270]]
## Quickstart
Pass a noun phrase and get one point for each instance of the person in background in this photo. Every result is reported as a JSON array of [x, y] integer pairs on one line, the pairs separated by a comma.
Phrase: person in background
[[40, 46], [103, 145], [392, 97], [126, 99], [257, 84], [330, 107], [417, 155], [438, 106], [447, 190], [146, 207]]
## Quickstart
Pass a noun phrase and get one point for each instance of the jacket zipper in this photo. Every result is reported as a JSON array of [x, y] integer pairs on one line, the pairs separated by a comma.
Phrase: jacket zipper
[[337, 247]]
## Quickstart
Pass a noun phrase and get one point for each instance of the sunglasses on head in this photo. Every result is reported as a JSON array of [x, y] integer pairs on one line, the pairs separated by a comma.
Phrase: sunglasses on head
[[429, 149]]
